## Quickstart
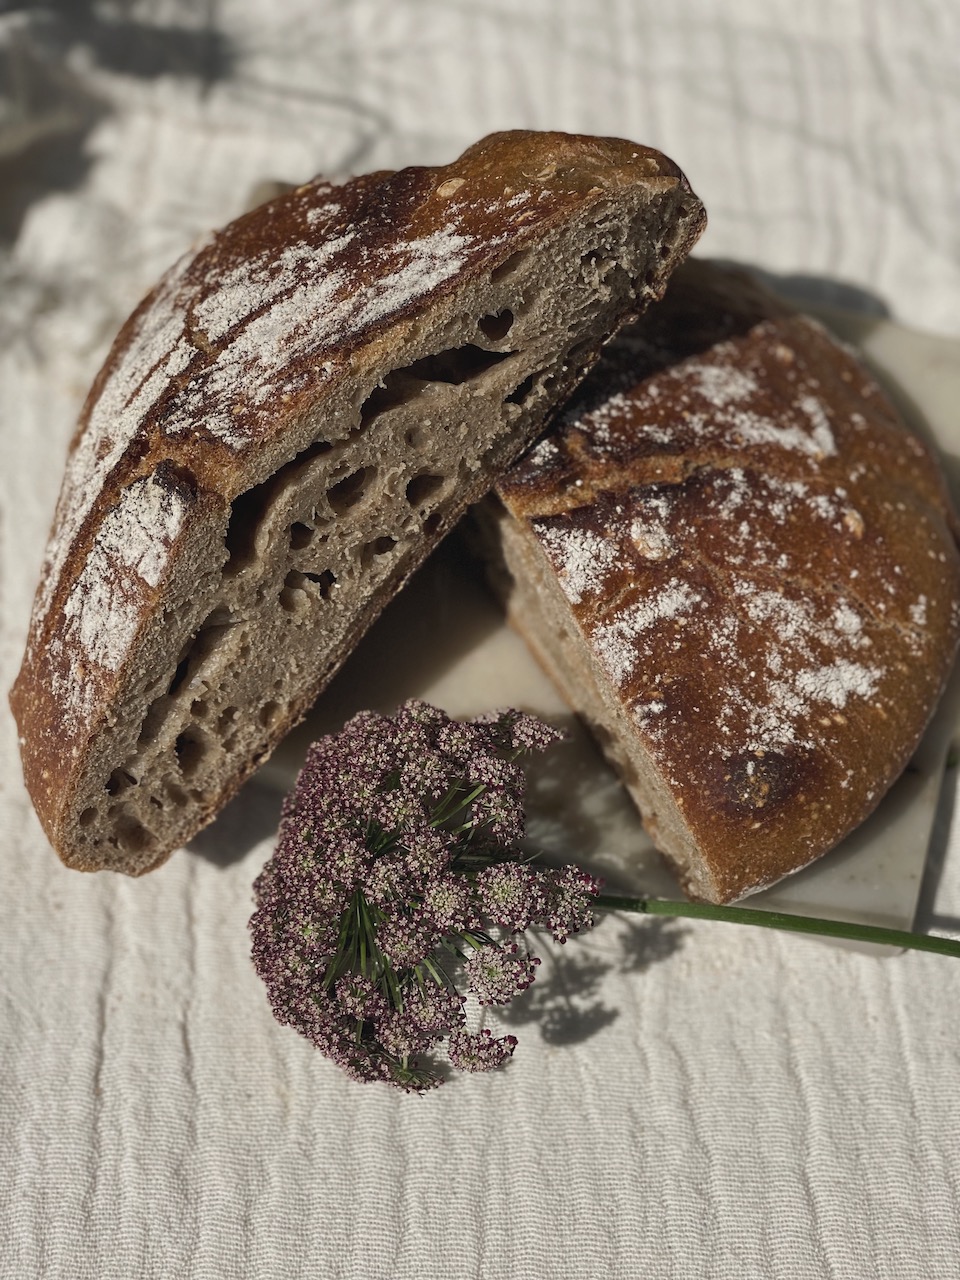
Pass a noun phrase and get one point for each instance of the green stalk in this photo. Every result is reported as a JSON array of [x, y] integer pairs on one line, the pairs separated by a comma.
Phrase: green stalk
[[782, 920]]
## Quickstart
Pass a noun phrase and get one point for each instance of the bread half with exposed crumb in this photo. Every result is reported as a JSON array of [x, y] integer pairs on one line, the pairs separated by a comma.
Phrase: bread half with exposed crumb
[[741, 568], [284, 428]]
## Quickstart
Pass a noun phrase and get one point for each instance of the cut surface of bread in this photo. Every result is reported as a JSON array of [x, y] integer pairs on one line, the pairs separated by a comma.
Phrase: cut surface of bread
[[741, 568], [284, 428]]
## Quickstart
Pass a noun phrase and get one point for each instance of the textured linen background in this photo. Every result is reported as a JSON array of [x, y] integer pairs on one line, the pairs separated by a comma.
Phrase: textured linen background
[[687, 1100]]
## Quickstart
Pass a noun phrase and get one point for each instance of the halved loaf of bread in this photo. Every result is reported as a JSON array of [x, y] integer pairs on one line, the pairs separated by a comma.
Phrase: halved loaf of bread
[[741, 569], [283, 429]]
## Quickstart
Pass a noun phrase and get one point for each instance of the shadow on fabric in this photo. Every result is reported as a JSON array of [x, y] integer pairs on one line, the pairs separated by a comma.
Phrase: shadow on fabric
[[47, 109]]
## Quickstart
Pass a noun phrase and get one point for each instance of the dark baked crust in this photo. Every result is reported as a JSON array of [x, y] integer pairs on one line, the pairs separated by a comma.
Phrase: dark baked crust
[[217, 383], [755, 564]]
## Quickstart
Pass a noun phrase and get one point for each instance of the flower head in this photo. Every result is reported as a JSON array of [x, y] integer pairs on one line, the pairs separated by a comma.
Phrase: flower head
[[497, 974], [396, 880], [479, 1052]]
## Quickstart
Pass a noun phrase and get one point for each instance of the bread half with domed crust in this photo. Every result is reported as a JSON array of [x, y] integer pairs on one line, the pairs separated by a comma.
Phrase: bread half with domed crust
[[288, 423], [741, 568]]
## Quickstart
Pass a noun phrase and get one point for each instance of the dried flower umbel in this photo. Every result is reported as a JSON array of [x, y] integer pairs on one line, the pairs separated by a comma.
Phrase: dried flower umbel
[[398, 885]]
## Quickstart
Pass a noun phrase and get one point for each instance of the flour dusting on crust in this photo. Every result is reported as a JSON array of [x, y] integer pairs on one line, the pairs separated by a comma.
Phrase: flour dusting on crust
[[762, 639], [105, 607], [759, 545], [272, 311], [582, 559], [158, 351]]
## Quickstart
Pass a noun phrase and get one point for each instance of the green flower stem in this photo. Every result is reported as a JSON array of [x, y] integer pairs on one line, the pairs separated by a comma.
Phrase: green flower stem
[[781, 920]]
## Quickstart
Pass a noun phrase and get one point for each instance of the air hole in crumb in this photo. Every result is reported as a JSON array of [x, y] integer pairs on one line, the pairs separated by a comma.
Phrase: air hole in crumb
[[323, 582], [180, 674], [268, 713], [578, 352], [190, 748], [178, 796], [250, 509], [226, 719], [301, 535], [299, 588], [346, 493], [208, 636], [396, 388], [377, 547], [320, 583], [520, 393], [509, 267], [665, 250], [454, 367], [458, 365], [133, 836], [649, 278], [199, 709], [432, 523], [422, 487], [87, 817], [413, 437], [601, 263], [496, 327], [120, 781], [292, 599]]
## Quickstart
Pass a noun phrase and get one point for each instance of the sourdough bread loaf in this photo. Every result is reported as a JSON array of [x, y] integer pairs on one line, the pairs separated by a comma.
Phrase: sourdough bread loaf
[[741, 569], [281, 432]]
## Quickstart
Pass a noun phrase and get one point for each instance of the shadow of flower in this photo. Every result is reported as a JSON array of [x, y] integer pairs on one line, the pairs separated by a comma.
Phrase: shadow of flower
[[567, 1001], [644, 943]]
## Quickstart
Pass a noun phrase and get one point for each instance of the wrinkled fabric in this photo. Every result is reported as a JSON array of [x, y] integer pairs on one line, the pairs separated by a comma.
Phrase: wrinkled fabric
[[687, 1099]]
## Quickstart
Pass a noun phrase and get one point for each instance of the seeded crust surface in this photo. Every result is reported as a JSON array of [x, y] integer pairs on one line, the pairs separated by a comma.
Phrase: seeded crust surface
[[288, 423], [741, 568]]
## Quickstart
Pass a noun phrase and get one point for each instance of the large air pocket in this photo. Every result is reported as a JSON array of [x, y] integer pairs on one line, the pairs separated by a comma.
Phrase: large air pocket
[[250, 511], [454, 367]]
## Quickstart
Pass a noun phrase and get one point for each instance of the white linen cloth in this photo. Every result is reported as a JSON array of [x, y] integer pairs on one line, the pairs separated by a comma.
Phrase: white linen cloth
[[687, 1100]]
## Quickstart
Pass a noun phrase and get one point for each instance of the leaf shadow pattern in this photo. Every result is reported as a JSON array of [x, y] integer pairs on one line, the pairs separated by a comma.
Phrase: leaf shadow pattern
[[48, 109], [118, 41], [567, 999]]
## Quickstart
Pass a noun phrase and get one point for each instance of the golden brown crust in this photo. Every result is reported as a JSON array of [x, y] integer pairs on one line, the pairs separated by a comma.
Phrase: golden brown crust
[[213, 385], [761, 561]]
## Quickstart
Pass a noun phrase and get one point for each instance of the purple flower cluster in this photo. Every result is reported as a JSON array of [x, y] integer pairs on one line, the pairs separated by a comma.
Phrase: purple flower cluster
[[397, 880]]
